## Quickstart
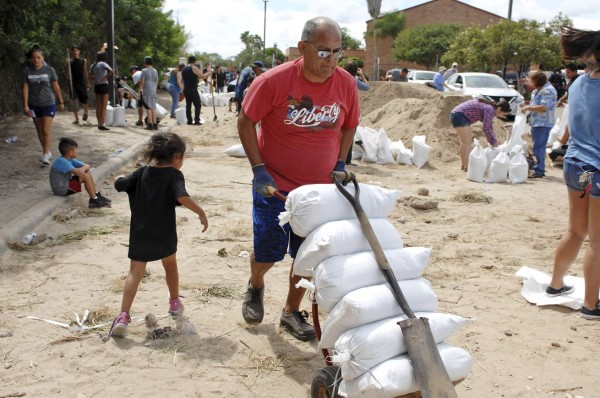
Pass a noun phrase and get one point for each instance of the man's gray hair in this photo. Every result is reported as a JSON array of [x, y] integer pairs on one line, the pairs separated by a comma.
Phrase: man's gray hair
[[312, 25]]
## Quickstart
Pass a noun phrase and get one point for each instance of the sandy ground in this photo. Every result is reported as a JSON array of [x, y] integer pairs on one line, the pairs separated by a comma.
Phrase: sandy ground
[[520, 350]]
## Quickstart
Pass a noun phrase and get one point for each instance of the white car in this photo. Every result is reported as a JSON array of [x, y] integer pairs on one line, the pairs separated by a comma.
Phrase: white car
[[484, 85], [420, 76]]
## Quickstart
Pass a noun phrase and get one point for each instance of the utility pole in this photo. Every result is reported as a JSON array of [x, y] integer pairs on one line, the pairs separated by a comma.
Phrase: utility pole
[[265, 33], [110, 47], [510, 4]]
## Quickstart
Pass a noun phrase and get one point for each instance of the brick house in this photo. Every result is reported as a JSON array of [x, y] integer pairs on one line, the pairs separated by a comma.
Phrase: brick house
[[434, 11]]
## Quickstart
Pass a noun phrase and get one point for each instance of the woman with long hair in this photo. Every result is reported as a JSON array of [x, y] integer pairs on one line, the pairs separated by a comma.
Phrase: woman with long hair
[[100, 73], [40, 93], [175, 87], [581, 171]]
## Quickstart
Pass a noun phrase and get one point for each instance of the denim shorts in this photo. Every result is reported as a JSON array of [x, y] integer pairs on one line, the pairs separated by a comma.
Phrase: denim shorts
[[44, 111], [572, 169], [271, 240], [458, 119]]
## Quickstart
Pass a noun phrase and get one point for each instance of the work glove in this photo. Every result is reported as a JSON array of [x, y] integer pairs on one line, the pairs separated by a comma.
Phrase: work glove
[[340, 165], [262, 179]]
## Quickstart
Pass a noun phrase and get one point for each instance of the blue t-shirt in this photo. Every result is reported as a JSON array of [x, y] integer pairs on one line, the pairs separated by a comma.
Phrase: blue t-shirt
[[242, 82], [547, 97], [438, 79], [584, 121], [60, 174]]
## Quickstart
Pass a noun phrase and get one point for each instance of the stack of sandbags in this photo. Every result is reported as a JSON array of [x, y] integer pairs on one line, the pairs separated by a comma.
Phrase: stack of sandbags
[[361, 326]]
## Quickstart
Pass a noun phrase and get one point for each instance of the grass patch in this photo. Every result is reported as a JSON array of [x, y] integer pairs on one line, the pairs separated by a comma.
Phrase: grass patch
[[101, 314], [207, 292], [78, 236], [472, 197]]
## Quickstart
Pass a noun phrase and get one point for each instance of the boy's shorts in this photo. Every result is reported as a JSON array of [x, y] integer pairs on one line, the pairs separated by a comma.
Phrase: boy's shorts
[[573, 168], [271, 241], [74, 186], [44, 111], [458, 119], [80, 92]]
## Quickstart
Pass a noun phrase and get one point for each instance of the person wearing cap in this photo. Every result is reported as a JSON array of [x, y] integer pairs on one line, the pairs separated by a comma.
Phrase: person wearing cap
[[77, 71], [191, 75], [256, 69], [149, 84], [438, 79], [308, 110], [451, 71]]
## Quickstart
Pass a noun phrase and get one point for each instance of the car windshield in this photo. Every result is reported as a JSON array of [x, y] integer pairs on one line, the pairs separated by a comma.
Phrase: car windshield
[[490, 81], [424, 75]]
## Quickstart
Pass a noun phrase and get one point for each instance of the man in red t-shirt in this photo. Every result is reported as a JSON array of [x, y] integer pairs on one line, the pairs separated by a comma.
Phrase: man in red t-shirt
[[308, 110]]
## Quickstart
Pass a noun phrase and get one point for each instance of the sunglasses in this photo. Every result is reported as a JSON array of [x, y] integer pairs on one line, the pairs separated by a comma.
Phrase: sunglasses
[[324, 54]]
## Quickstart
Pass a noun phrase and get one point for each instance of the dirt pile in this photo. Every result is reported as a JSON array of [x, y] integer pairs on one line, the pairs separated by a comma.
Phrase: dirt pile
[[406, 110]]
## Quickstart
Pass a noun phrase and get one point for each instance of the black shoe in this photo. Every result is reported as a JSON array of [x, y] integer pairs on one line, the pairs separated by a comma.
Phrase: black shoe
[[565, 289], [149, 127], [139, 123], [102, 197], [189, 123], [253, 309], [591, 314], [103, 128], [295, 323], [97, 203], [155, 126], [173, 117], [198, 123]]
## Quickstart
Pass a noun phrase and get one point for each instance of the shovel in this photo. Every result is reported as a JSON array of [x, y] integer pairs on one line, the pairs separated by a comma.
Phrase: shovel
[[430, 373]]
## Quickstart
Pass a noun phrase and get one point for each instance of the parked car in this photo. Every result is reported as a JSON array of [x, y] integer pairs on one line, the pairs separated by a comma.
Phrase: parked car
[[420, 76], [511, 78], [484, 85]]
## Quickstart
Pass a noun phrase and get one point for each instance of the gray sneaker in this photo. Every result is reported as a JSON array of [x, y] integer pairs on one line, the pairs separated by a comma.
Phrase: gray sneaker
[[295, 323], [253, 309]]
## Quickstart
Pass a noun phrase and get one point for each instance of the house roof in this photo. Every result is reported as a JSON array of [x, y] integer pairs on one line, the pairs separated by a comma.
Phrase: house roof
[[456, 1]]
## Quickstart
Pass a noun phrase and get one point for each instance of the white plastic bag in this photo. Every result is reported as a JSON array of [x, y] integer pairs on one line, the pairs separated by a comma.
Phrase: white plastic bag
[[401, 153], [519, 128], [339, 275], [376, 145], [180, 115], [312, 205], [374, 303], [477, 162], [341, 237], [110, 116], [369, 345], [421, 151], [555, 132], [519, 168], [395, 377], [160, 111], [237, 151], [499, 169], [490, 153]]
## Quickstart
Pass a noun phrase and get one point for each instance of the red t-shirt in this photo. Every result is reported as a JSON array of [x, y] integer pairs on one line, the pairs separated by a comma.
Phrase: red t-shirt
[[299, 136]]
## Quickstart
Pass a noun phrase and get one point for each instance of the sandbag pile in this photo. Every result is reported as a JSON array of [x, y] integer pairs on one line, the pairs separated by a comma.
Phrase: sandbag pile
[[360, 329], [374, 146]]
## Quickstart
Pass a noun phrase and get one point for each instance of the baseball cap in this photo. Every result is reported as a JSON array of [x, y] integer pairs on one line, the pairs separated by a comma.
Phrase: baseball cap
[[133, 67], [148, 59], [260, 65], [75, 47], [454, 64], [442, 68]]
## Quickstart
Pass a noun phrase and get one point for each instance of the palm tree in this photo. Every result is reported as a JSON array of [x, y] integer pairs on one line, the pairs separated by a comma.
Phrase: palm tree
[[374, 7]]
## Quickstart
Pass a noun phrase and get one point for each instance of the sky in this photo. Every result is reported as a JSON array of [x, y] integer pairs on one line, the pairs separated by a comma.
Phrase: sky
[[215, 27]]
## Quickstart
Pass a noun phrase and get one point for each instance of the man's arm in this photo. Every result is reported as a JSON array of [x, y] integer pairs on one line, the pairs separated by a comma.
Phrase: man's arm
[[199, 73], [345, 141], [247, 132]]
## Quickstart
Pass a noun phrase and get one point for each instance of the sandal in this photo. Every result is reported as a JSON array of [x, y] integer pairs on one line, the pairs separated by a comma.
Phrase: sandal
[[84, 117]]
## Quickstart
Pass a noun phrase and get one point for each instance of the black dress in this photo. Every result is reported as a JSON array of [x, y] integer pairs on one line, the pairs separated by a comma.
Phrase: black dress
[[153, 194]]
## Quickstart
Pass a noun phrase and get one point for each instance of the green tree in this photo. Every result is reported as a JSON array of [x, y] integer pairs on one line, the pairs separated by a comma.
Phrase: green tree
[[253, 48], [374, 7], [425, 44], [273, 51], [349, 42], [390, 24]]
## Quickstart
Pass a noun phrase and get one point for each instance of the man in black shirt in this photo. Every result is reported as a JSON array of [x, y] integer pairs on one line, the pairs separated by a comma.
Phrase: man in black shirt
[[191, 75], [77, 71]]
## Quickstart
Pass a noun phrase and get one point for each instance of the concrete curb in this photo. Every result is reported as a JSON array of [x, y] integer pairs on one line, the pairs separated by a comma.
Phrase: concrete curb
[[26, 222]]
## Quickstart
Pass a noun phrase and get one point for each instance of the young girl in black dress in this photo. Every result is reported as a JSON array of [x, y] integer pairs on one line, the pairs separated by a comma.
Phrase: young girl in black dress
[[154, 191]]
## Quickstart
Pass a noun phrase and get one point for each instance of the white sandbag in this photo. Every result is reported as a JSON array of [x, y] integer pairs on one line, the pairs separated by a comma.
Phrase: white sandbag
[[401, 153], [564, 121], [204, 99], [341, 237], [357, 148], [369, 138], [160, 111], [312, 205], [519, 128], [237, 151], [384, 151], [518, 168], [119, 116], [421, 151], [180, 116], [110, 116], [490, 153], [374, 303], [499, 169], [395, 376], [477, 162], [133, 103], [366, 346], [554, 133], [339, 275]]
